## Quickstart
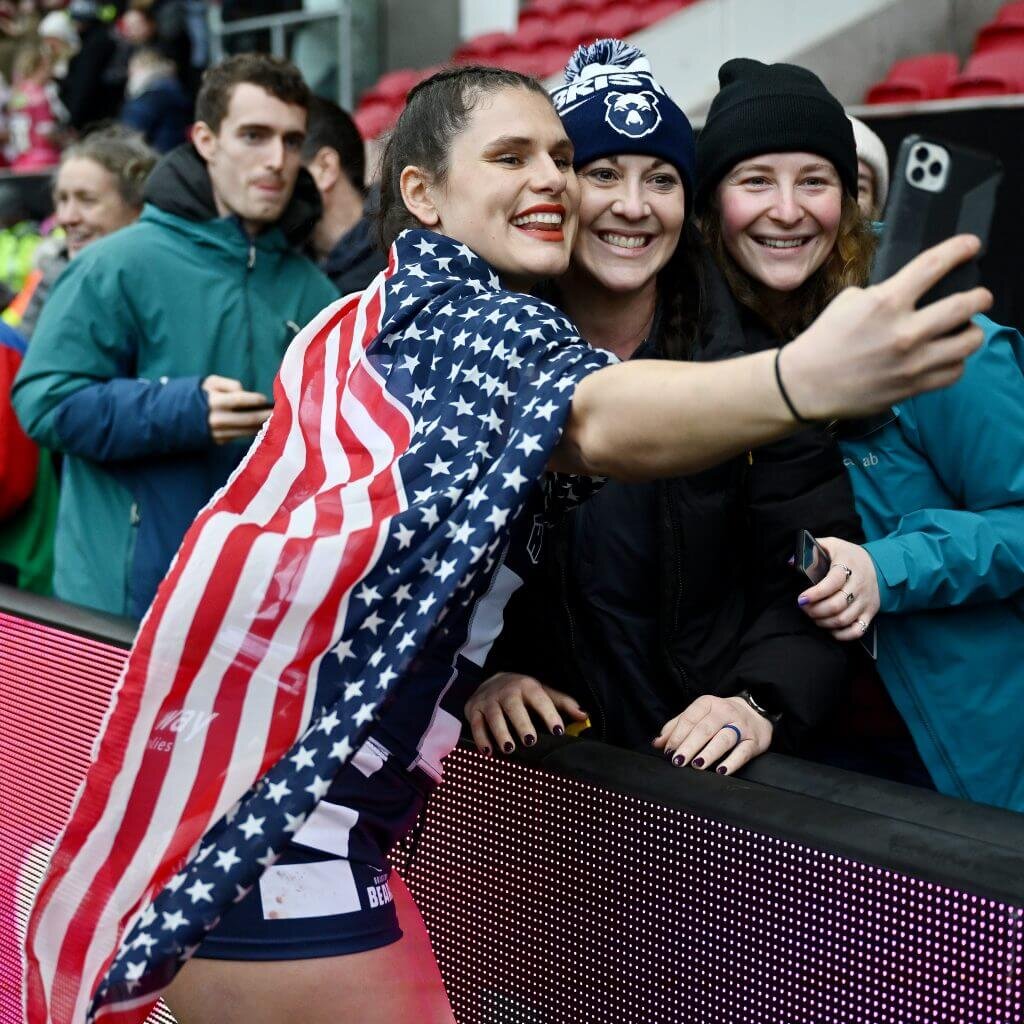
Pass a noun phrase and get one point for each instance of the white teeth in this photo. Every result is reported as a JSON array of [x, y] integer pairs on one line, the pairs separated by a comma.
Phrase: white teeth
[[623, 241], [538, 218], [782, 243]]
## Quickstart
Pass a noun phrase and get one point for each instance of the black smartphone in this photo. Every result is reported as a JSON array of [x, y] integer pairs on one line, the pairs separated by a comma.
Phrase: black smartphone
[[939, 189], [811, 558], [813, 561]]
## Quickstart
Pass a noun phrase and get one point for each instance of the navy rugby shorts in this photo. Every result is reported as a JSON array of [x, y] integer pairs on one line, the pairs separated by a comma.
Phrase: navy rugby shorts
[[327, 894]]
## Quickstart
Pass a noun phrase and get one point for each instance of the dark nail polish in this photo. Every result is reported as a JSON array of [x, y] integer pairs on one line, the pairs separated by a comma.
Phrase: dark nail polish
[[721, 769], [485, 750], [678, 760], [558, 730], [698, 762], [529, 740], [792, 560], [802, 601], [508, 747]]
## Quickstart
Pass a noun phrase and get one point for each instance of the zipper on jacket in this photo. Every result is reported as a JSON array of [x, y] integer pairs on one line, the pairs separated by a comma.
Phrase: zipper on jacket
[[252, 256], [602, 728]]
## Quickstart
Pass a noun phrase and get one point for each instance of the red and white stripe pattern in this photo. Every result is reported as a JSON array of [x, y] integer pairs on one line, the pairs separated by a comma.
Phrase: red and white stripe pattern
[[220, 683]]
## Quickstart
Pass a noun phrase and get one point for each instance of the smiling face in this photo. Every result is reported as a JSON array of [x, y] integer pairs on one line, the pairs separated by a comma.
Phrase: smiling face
[[780, 216], [632, 209], [510, 193], [88, 204], [253, 157]]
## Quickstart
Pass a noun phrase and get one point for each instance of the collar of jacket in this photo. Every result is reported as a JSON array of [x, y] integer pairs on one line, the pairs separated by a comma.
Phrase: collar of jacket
[[358, 243], [180, 185]]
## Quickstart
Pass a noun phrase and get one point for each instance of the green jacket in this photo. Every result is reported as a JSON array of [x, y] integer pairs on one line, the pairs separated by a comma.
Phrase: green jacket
[[112, 377]]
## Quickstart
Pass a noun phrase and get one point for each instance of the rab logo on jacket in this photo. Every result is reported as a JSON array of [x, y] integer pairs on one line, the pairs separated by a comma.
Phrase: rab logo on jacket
[[634, 114]]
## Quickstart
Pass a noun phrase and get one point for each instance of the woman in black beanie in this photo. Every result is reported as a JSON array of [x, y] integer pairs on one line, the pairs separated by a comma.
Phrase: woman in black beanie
[[666, 609]]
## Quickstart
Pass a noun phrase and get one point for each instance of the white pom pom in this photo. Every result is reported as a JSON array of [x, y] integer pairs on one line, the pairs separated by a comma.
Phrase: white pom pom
[[604, 56]]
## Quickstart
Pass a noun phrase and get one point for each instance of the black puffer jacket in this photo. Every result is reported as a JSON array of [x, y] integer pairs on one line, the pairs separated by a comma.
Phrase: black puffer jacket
[[721, 614]]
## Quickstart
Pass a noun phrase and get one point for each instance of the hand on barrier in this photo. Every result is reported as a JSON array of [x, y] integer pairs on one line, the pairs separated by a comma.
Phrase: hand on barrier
[[871, 347], [846, 600], [711, 729], [234, 413], [507, 699]]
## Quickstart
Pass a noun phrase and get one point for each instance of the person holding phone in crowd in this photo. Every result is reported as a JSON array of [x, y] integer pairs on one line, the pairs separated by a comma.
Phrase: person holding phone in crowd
[[478, 202], [666, 609]]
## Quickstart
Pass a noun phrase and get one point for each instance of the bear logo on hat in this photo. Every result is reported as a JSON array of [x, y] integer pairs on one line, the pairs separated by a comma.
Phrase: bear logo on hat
[[634, 114]]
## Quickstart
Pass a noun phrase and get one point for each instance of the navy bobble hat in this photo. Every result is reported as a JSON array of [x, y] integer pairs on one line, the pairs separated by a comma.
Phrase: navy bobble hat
[[611, 103], [772, 108]]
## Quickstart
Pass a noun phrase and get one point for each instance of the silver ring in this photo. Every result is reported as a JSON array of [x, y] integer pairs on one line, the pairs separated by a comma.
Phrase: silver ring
[[863, 625], [845, 568], [850, 596]]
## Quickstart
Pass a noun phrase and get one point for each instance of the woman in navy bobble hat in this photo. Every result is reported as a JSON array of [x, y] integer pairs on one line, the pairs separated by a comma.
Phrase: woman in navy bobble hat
[[666, 610]]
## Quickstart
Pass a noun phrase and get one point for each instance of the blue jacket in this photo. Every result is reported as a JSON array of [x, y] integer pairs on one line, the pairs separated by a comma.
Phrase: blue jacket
[[940, 490]]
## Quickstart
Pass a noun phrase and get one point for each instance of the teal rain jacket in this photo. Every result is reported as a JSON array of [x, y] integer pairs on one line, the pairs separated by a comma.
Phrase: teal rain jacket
[[940, 490]]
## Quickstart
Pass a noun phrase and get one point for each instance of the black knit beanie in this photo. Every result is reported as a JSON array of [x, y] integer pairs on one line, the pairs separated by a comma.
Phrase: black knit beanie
[[771, 108]]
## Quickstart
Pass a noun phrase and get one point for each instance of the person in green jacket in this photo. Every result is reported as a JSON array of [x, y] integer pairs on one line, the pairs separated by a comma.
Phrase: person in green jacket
[[152, 364], [939, 485]]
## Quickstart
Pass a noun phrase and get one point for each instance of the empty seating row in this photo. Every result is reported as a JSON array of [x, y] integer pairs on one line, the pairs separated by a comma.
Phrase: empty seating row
[[995, 68], [547, 33]]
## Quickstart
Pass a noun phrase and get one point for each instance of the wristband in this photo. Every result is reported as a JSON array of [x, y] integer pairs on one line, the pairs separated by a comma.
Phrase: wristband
[[748, 698], [784, 393]]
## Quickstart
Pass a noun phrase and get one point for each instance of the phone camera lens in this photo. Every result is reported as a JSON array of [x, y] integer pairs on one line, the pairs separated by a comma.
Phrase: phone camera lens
[[922, 153], [935, 168], [917, 175]]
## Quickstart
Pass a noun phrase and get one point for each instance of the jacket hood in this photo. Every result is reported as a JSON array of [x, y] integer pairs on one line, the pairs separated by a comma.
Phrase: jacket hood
[[180, 185]]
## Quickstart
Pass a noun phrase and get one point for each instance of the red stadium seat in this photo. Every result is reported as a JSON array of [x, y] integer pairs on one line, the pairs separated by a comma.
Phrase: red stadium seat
[[572, 27], [392, 86], [1011, 12], [926, 77], [998, 73], [479, 49], [658, 9], [619, 21], [374, 118], [1005, 33]]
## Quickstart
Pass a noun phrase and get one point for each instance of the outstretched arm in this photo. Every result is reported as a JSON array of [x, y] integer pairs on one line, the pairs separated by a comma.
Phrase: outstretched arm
[[868, 349]]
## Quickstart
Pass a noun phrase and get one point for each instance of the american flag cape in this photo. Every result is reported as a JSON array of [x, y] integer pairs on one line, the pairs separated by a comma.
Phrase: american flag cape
[[411, 423]]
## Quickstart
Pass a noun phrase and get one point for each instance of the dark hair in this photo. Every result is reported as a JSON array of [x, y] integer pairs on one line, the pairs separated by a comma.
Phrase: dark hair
[[332, 127], [121, 152], [436, 111], [848, 264], [280, 78]]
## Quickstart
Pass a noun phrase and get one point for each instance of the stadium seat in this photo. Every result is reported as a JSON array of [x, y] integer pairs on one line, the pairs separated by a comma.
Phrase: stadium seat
[[1011, 12], [658, 9], [926, 77], [1005, 33], [996, 73], [481, 48], [392, 86], [376, 117]]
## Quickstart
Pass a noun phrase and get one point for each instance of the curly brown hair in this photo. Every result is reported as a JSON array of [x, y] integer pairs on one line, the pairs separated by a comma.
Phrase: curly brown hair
[[848, 264]]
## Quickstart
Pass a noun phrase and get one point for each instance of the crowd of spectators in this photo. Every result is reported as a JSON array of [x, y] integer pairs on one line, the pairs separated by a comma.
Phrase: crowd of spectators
[[203, 223]]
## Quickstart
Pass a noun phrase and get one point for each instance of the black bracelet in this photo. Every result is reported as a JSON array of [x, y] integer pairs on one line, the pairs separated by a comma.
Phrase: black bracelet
[[748, 698], [784, 393]]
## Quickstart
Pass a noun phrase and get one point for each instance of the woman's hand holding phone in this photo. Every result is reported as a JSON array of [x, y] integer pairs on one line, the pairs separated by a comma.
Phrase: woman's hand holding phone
[[871, 347], [846, 601]]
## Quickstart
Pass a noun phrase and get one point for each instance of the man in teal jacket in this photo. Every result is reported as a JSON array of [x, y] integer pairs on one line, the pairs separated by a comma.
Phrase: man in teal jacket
[[940, 489], [153, 362]]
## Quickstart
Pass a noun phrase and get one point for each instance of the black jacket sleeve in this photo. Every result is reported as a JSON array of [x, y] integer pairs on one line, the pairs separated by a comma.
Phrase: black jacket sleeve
[[785, 659]]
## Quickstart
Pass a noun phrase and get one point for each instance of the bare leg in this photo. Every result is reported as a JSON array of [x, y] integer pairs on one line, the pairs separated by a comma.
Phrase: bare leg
[[395, 984]]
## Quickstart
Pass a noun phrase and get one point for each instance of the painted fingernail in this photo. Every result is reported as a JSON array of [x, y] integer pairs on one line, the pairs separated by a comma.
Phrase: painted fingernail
[[792, 560], [679, 760], [698, 762], [802, 601], [721, 769], [485, 750], [558, 730], [508, 747], [529, 739]]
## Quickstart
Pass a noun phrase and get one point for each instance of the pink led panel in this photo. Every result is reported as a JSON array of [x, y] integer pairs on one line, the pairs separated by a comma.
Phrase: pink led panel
[[551, 900], [54, 688]]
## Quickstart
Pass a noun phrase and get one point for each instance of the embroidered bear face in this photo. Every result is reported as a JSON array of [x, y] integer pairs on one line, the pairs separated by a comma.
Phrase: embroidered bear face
[[633, 114]]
